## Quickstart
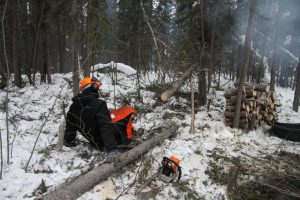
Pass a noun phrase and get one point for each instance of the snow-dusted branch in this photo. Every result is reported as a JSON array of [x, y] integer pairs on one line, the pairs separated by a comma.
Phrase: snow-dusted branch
[[118, 66]]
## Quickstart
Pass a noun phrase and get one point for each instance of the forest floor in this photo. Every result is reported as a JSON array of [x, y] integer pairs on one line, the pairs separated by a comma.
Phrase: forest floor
[[255, 163]]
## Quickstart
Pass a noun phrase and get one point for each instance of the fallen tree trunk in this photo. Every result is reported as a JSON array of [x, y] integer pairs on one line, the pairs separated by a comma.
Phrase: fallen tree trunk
[[168, 93], [74, 188]]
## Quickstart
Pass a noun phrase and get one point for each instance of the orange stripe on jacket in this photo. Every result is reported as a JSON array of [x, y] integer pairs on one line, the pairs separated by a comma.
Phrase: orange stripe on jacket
[[121, 113]]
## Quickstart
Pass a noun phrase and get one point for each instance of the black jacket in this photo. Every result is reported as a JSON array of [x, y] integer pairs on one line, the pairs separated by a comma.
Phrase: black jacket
[[90, 116]]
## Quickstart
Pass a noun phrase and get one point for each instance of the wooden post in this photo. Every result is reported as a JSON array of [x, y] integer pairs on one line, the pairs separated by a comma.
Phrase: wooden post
[[193, 105]]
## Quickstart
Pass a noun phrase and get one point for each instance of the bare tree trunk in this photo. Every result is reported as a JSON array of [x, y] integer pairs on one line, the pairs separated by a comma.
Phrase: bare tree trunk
[[1, 155], [202, 86], [36, 42], [17, 70], [246, 57], [211, 59], [138, 70], [152, 32], [193, 105], [89, 45], [275, 47], [79, 185], [75, 76], [26, 49], [8, 78], [260, 68], [45, 68], [61, 47], [297, 90]]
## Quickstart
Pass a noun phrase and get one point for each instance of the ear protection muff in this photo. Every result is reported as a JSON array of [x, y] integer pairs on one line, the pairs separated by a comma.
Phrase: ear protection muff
[[95, 86], [95, 83]]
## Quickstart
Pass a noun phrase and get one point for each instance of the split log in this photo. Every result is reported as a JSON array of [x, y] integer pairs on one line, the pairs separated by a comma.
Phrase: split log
[[228, 101], [234, 98], [233, 92], [258, 87], [176, 85], [249, 87], [273, 96], [262, 94], [79, 185], [228, 114], [231, 107], [250, 93], [262, 88], [242, 121], [249, 102]]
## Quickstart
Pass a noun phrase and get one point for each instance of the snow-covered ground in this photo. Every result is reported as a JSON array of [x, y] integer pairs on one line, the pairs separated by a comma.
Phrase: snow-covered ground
[[29, 108]]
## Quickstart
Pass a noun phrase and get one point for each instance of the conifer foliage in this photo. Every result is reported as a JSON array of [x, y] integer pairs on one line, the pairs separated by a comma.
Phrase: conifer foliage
[[40, 39]]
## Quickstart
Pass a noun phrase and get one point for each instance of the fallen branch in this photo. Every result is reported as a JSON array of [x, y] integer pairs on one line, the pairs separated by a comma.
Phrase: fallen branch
[[77, 186]]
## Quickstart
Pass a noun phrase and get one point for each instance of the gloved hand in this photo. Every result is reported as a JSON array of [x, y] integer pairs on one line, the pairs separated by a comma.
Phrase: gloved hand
[[72, 143]]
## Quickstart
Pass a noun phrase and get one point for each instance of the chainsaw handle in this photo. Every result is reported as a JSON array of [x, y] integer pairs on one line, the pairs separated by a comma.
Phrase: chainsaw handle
[[166, 159]]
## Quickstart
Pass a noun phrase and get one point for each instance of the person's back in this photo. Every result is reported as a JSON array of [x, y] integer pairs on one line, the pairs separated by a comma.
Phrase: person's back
[[90, 116], [82, 116]]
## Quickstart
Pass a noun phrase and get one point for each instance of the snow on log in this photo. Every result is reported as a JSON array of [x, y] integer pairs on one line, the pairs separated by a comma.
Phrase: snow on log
[[120, 67], [74, 188], [176, 85]]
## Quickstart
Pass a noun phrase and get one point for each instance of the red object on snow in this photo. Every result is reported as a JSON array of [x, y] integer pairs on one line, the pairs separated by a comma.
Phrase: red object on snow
[[121, 113]]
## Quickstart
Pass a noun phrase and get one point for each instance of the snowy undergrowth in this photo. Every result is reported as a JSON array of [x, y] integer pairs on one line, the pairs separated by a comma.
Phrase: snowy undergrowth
[[206, 156]]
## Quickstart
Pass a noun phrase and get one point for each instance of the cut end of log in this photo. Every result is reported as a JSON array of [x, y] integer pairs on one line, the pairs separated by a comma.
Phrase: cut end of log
[[164, 97]]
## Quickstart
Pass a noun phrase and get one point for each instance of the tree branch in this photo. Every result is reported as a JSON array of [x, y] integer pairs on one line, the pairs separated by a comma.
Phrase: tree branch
[[152, 32]]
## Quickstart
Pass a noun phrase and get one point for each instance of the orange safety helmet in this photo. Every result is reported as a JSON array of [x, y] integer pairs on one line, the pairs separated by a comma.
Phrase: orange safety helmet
[[88, 81]]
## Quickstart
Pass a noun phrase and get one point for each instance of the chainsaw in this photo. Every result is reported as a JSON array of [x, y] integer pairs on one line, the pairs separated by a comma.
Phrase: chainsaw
[[170, 169]]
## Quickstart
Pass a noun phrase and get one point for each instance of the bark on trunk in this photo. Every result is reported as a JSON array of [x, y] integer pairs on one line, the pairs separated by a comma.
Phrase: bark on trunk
[[79, 185], [297, 90], [246, 56], [75, 50], [275, 47], [61, 47], [211, 59], [17, 70]]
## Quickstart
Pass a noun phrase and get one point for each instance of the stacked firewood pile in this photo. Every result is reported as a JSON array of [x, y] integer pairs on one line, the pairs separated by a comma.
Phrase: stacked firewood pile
[[258, 106]]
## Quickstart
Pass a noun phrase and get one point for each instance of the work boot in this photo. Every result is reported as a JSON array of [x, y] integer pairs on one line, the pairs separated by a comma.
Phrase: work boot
[[112, 155]]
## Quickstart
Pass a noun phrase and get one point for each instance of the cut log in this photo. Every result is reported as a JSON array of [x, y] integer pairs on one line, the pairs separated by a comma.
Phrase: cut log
[[228, 114], [233, 92], [250, 93], [79, 185], [262, 94], [273, 96], [170, 92], [249, 102], [234, 98], [231, 107], [262, 88], [228, 101], [258, 87]]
